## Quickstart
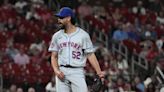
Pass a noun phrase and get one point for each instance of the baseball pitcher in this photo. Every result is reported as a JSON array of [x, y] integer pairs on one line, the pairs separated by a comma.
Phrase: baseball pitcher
[[71, 46]]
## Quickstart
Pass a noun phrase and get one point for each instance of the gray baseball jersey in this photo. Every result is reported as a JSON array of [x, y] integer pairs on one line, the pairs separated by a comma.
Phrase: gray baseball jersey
[[71, 48]]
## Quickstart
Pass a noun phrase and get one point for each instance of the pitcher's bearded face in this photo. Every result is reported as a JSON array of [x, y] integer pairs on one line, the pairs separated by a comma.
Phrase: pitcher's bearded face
[[61, 23], [61, 26]]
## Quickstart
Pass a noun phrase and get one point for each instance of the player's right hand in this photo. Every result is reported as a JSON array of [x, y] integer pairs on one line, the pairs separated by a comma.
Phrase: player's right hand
[[60, 75]]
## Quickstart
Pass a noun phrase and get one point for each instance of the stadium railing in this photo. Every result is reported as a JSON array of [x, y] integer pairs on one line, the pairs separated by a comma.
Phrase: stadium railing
[[101, 36], [138, 62], [159, 75], [119, 48]]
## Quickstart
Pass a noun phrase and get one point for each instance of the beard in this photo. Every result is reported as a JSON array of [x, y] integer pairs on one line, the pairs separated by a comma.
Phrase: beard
[[60, 26]]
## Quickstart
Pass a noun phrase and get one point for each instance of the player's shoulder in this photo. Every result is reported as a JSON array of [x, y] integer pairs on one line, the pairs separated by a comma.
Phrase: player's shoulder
[[58, 33], [82, 31]]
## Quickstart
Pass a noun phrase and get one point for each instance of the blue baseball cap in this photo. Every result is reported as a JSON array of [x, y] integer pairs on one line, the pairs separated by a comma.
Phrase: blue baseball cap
[[65, 12]]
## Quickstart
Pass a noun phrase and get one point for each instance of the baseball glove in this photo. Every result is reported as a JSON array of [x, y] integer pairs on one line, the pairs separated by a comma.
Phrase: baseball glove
[[97, 84]]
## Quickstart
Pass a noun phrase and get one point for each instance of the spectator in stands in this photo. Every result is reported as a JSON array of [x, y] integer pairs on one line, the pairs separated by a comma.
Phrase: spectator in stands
[[151, 88], [128, 87], [122, 66], [20, 6], [32, 14], [44, 13], [10, 50], [152, 53], [120, 34], [144, 51], [139, 84], [36, 47], [160, 43], [148, 33], [21, 58], [50, 87], [31, 89], [45, 54], [95, 41], [120, 83], [104, 63], [160, 17], [145, 46], [98, 9], [133, 86], [19, 90], [139, 9], [116, 15], [137, 24], [13, 88], [160, 57], [103, 49], [151, 57], [51, 25], [19, 21], [111, 85], [113, 69], [133, 34], [84, 9], [10, 25], [6, 6], [21, 35]]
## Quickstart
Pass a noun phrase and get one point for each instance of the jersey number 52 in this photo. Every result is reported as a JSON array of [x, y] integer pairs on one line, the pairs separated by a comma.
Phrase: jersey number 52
[[76, 54]]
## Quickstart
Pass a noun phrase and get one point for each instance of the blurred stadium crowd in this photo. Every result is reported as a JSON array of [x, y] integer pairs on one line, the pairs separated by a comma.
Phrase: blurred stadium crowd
[[26, 27]]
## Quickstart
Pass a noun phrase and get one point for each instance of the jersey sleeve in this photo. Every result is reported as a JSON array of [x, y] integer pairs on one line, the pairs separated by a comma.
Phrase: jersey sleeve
[[87, 44], [53, 45]]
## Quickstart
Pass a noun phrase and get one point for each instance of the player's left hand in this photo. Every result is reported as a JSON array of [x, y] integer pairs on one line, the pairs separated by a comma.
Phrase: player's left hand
[[101, 75]]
